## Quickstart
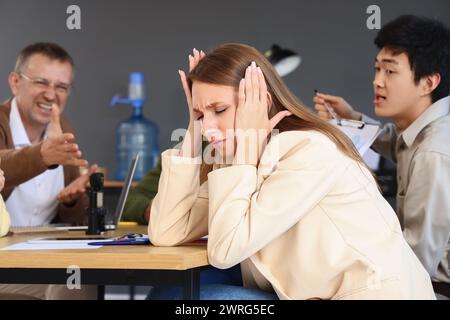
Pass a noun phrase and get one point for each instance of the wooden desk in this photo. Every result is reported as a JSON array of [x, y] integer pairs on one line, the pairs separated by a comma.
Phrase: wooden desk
[[117, 184], [108, 265]]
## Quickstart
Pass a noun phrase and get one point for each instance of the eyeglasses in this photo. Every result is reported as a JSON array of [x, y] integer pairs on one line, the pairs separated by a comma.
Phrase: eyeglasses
[[44, 84]]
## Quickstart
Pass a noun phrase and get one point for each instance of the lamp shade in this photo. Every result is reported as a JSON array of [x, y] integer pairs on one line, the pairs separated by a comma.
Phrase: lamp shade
[[284, 60]]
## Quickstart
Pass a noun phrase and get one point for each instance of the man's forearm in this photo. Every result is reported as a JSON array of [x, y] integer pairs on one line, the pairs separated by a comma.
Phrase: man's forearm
[[74, 214], [20, 166]]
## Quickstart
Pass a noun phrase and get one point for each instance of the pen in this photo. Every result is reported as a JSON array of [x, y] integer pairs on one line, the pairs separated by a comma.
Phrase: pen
[[330, 109]]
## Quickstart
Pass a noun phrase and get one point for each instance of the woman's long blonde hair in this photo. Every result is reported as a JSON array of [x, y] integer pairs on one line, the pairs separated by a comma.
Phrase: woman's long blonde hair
[[226, 66]]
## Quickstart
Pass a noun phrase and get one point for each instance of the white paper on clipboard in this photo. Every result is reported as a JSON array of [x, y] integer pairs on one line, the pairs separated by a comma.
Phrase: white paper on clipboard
[[362, 136]]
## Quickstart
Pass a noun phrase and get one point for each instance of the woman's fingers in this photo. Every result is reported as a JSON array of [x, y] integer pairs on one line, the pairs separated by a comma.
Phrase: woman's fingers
[[191, 63], [185, 85], [262, 87], [241, 93], [255, 85], [248, 84], [278, 117], [194, 59], [255, 82], [196, 56]]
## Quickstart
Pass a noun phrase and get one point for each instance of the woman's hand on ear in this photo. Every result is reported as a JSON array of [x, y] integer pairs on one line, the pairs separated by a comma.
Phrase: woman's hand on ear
[[193, 138], [252, 124], [193, 62]]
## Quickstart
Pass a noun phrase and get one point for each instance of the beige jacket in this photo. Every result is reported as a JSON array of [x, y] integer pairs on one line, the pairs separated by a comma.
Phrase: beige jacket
[[308, 223], [4, 218]]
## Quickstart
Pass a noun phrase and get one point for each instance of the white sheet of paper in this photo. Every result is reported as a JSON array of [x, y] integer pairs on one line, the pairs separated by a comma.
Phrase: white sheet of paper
[[68, 241], [49, 246], [361, 138], [372, 159]]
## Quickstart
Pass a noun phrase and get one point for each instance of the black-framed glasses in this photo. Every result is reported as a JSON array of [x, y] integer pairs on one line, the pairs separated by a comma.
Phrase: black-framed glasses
[[43, 84]]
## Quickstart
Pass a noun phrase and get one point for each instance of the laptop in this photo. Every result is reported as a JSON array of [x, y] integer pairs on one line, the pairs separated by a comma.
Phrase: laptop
[[120, 205]]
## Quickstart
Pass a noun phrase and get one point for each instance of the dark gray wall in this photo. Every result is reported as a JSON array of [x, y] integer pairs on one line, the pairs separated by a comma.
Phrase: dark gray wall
[[155, 37]]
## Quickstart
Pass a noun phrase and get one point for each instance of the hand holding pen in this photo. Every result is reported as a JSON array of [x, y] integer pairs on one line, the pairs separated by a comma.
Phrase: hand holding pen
[[333, 107]]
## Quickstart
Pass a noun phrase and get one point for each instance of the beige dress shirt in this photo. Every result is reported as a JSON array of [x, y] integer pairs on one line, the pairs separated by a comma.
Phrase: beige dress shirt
[[307, 223], [422, 154]]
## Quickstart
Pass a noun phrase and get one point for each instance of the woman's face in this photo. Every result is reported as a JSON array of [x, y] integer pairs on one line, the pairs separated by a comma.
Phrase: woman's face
[[217, 104]]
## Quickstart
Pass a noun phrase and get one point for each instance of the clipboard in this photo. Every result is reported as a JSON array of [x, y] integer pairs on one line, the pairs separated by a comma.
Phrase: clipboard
[[361, 133]]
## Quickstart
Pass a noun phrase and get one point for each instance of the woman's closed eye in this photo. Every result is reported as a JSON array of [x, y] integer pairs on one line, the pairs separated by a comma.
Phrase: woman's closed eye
[[221, 110]]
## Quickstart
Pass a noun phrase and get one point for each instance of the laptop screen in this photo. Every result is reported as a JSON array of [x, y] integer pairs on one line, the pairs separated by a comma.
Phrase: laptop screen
[[125, 190]]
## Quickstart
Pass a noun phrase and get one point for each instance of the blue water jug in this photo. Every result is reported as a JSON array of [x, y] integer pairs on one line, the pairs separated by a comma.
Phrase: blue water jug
[[136, 134]]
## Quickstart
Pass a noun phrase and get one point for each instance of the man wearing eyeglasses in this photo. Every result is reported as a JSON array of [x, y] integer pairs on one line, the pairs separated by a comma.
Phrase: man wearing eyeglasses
[[38, 152]]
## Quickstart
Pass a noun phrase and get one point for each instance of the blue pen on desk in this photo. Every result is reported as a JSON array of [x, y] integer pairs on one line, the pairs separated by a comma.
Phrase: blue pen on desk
[[128, 239]]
